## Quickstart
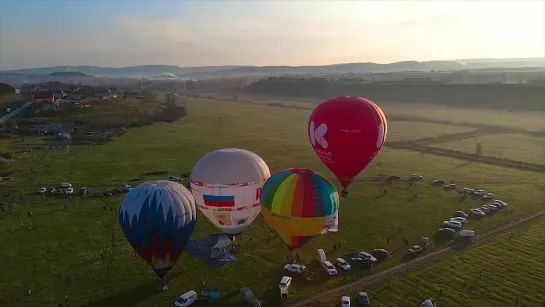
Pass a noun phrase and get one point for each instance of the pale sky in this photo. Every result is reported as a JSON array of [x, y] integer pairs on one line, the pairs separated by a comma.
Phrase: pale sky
[[199, 33]]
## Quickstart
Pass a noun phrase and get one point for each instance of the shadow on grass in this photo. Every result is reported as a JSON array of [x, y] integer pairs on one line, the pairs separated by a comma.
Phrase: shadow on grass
[[130, 297], [440, 238]]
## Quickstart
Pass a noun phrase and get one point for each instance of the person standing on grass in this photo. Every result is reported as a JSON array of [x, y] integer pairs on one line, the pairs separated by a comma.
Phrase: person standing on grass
[[66, 299], [29, 290]]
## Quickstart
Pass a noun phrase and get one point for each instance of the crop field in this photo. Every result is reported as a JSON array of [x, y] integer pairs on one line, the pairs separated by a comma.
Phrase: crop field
[[512, 266], [60, 255], [510, 146], [406, 131]]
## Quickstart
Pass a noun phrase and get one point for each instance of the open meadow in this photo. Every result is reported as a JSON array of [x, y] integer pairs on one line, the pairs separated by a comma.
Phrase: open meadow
[[493, 274], [517, 147], [60, 255]]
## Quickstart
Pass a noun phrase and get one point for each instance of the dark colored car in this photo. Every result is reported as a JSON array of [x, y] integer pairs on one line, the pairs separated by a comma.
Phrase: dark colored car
[[380, 254]]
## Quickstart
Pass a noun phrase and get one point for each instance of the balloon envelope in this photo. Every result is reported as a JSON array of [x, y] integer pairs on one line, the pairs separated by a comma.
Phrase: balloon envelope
[[299, 204], [226, 184], [346, 133], [158, 218]]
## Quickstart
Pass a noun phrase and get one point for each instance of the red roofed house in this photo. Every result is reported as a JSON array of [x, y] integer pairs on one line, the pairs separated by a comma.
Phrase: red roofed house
[[44, 97]]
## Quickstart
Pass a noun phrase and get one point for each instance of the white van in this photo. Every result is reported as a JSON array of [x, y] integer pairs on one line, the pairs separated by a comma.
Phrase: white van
[[321, 255], [186, 299], [284, 285]]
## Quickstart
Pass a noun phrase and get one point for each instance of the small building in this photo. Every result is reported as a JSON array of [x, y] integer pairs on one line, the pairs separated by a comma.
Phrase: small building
[[52, 128], [44, 97], [64, 135]]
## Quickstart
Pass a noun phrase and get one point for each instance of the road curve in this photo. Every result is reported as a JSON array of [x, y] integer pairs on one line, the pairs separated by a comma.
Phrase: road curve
[[15, 112], [404, 268]]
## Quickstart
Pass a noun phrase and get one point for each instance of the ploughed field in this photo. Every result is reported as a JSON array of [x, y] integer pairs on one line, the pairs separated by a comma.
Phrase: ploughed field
[[60, 255]]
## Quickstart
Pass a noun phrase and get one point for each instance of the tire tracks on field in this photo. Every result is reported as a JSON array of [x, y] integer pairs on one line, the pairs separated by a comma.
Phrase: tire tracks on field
[[404, 268]]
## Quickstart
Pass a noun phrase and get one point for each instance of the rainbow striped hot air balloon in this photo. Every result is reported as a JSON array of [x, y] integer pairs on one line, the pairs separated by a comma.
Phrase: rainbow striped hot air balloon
[[299, 204]]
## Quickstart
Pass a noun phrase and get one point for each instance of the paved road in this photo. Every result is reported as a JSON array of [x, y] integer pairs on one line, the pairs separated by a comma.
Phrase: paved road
[[371, 280], [15, 112]]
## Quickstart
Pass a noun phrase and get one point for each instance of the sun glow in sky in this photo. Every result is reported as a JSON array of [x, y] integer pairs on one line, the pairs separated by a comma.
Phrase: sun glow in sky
[[199, 33]]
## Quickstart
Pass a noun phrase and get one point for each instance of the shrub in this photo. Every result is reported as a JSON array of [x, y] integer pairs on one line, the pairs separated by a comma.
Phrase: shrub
[[4, 163]]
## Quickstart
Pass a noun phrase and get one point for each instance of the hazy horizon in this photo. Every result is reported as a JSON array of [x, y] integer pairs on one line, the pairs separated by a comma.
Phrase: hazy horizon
[[190, 33]]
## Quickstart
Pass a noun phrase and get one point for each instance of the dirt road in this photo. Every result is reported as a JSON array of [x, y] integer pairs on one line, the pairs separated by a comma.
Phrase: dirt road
[[371, 280]]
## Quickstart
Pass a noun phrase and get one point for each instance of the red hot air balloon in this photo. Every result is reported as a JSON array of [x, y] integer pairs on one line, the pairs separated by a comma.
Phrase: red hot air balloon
[[347, 133]]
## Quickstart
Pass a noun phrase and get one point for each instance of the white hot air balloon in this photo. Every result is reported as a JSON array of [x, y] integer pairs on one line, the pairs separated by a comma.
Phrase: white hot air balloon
[[226, 185]]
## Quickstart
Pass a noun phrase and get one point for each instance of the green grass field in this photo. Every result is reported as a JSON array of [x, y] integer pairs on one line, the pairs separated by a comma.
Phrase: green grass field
[[407, 131], [513, 266], [515, 119], [8, 99], [509, 146], [61, 254]]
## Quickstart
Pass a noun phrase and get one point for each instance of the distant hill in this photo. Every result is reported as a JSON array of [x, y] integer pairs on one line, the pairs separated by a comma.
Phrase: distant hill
[[237, 71], [134, 71], [69, 74]]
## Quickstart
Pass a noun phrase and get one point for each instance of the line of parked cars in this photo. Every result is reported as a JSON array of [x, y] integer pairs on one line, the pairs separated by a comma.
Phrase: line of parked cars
[[59, 190], [489, 208]]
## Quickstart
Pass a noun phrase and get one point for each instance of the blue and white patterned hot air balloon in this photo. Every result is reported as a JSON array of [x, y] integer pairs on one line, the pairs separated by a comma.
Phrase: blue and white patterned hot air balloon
[[158, 218]]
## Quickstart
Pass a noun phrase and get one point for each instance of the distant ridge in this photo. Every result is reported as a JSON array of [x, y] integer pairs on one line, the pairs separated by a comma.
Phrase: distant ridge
[[233, 70], [69, 74]]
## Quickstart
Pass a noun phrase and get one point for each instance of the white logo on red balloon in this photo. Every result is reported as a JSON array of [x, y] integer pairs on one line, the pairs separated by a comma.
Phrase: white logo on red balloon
[[318, 135]]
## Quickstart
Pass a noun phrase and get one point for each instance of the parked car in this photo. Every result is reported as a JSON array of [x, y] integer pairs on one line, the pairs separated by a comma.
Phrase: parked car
[[186, 299], [295, 268], [69, 191], [463, 190], [477, 212], [367, 256], [58, 191], [459, 219], [174, 178], [42, 190], [450, 186], [284, 285], [452, 224], [469, 234], [320, 255], [285, 282], [210, 293], [341, 263], [484, 209], [345, 301], [127, 187], [479, 192], [501, 203], [363, 299], [415, 249], [415, 177], [492, 207], [446, 230], [461, 214], [380, 254], [427, 303], [489, 196], [329, 268], [438, 182], [66, 185]]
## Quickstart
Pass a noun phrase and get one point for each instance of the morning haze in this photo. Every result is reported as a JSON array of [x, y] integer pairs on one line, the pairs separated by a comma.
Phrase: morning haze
[[204, 33], [272, 153]]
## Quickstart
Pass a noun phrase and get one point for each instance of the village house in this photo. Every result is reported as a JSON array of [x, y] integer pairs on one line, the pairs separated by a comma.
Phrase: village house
[[44, 97], [53, 128]]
